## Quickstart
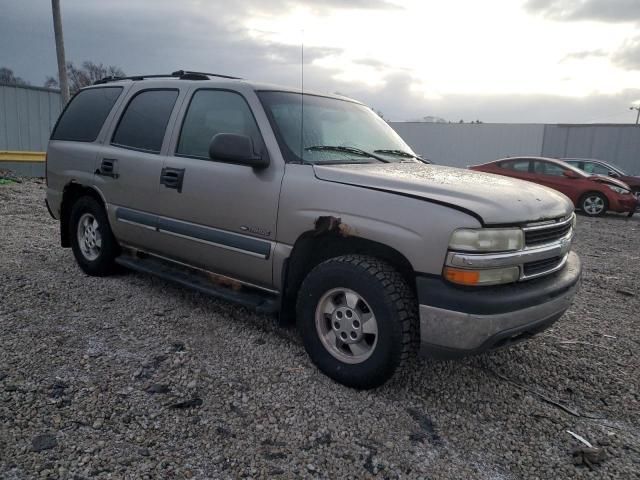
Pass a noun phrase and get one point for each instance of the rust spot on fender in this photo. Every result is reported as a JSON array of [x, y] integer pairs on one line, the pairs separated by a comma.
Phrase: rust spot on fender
[[329, 223]]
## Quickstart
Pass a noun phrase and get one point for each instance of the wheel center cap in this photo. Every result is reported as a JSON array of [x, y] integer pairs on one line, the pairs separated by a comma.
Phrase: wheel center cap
[[347, 325]]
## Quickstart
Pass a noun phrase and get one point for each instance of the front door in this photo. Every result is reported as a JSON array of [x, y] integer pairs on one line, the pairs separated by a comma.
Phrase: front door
[[222, 216]]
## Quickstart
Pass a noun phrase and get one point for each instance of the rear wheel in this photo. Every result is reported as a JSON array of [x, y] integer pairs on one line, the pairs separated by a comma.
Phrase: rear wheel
[[93, 244], [358, 320], [594, 204]]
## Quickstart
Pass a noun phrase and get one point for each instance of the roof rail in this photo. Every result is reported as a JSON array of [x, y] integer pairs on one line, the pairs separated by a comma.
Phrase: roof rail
[[181, 74]]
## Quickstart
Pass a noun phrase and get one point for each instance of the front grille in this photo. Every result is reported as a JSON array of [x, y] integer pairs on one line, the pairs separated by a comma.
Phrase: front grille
[[548, 234], [540, 266]]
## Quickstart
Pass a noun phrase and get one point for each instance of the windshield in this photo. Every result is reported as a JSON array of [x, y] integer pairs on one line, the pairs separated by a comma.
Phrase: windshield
[[333, 130], [609, 165], [616, 168]]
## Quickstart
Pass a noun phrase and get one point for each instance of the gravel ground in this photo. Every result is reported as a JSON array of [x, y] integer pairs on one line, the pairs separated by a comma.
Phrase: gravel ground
[[133, 377]]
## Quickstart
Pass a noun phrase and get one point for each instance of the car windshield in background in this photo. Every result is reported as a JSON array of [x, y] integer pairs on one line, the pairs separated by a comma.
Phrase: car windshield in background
[[616, 168], [331, 131]]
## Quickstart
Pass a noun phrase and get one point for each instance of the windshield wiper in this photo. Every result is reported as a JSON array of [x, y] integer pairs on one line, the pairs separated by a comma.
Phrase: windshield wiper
[[402, 153], [339, 148]]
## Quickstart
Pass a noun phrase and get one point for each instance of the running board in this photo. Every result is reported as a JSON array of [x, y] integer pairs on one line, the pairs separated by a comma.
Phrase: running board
[[261, 302]]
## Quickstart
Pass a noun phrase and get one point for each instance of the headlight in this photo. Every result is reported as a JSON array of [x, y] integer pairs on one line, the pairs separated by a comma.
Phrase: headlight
[[620, 190], [487, 239], [574, 221]]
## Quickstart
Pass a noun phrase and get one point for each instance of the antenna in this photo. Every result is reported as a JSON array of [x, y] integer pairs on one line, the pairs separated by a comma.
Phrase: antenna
[[302, 97]]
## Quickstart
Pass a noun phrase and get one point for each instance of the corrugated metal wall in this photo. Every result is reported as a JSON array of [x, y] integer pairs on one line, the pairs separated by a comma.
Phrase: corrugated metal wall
[[27, 116], [462, 144], [619, 144]]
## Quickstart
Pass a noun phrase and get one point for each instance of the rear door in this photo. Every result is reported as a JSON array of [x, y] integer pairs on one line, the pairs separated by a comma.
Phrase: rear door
[[516, 168], [130, 161], [223, 216]]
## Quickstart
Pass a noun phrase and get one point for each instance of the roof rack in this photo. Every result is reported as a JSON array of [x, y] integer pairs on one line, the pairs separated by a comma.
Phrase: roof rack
[[181, 74]]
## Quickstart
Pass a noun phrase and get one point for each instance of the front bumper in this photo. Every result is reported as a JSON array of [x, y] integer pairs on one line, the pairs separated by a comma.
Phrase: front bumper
[[458, 321], [624, 203]]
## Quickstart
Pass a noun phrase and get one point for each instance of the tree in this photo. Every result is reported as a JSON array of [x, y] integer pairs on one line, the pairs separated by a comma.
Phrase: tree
[[85, 75], [7, 76]]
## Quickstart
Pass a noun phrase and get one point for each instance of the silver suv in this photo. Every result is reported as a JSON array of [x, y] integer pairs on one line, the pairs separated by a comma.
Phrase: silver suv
[[310, 206]]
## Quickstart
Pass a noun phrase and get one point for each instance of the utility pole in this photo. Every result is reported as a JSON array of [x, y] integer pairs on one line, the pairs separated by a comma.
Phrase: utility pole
[[62, 63], [636, 107]]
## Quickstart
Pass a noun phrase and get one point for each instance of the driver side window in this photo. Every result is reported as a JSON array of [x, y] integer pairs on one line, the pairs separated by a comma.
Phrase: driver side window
[[211, 112]]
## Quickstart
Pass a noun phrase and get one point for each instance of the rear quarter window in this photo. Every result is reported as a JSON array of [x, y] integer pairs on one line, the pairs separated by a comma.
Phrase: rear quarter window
[[83, 118]]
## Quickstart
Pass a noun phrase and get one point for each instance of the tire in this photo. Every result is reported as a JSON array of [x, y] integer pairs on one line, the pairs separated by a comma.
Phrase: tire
[[363, 359], [594, 204], [95, 256]]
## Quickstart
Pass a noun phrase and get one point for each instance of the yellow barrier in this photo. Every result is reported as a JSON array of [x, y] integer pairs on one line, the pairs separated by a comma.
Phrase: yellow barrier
[[7, 156]]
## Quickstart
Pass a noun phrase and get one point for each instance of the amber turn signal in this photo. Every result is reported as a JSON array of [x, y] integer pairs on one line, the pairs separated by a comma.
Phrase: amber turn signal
[[491, 276], [463, 277]]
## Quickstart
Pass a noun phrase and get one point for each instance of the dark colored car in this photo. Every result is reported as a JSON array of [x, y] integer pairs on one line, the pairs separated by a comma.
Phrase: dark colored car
[[598, 167], [593, 194]]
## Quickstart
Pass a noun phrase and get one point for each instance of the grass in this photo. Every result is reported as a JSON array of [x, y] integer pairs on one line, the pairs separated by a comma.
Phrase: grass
[[6, 181]]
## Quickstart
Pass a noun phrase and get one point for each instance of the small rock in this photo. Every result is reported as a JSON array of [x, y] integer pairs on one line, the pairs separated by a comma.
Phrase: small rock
[[144, 452], [158, 388], [43, 441], [191, 403], [626, 293]]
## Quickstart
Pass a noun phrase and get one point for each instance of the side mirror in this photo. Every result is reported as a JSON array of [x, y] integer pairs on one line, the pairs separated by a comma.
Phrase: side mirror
[[613, 174], [234, 148], [570, 174]]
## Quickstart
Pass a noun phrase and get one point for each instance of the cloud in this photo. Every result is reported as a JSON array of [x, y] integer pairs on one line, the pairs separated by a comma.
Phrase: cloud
[[399, 100], [372, 62], [597, 10], [628, 56], [584, 54], [144, 36]]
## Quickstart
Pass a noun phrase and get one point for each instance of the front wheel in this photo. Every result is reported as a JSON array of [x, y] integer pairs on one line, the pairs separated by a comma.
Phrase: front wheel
[[92, 241], [358, 320], [594, 204]]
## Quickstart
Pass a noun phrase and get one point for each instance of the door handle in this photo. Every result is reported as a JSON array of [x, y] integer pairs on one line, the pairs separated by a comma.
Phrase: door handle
[[108, 168], [172, 178]]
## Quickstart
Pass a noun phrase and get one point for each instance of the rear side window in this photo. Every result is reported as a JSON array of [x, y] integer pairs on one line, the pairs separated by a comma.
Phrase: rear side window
[[211, 112], [83, 118], [144, 122], [517, 165], [548, 168]]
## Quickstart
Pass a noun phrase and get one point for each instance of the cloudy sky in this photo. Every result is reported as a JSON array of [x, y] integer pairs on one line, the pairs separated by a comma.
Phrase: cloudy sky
[[493, 60]]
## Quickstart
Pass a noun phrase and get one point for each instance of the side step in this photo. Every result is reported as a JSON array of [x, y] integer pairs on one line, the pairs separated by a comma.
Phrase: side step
[[261, 302]]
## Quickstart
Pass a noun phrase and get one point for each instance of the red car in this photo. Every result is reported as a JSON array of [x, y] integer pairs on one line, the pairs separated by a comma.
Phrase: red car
[[593, 194]]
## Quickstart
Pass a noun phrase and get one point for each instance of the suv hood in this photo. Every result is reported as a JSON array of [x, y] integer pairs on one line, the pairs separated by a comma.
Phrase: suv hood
[[493, 198]]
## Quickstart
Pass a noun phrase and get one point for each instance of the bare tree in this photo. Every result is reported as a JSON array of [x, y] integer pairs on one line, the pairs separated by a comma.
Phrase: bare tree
[[86, 75], [7, 76]]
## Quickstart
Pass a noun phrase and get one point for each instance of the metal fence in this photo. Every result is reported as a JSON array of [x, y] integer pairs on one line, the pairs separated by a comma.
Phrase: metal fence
[[27, 116], [466, 144]]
